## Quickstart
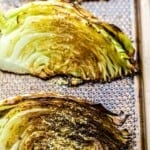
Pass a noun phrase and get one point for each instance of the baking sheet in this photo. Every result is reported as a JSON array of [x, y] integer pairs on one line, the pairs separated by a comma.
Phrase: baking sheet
[[119, 95]]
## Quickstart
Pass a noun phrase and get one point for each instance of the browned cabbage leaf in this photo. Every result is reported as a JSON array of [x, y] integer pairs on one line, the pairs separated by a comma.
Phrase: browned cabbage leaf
[[56, 122], [53, 38]]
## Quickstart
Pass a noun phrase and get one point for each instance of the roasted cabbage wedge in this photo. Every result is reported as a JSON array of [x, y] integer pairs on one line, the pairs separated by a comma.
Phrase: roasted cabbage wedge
[[54, 38], [56, 122]]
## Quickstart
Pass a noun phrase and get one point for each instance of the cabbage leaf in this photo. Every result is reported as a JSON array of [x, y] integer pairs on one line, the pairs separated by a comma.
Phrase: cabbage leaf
[[47, 39], [50, 121]]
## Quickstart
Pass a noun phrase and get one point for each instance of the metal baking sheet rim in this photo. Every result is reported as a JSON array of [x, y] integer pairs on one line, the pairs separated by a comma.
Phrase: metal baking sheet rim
[[142, 13]]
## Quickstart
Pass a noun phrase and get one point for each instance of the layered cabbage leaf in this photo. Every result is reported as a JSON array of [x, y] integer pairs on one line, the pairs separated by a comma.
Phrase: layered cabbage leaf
[[53, 38], [56, 122]]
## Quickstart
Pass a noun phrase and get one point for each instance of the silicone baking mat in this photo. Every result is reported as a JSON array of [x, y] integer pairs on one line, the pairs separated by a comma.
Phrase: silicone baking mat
[[115, 96]]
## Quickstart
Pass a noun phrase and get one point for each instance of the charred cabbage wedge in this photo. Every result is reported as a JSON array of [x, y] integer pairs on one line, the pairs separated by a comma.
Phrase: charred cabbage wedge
[[50, 121], [53, 38]]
